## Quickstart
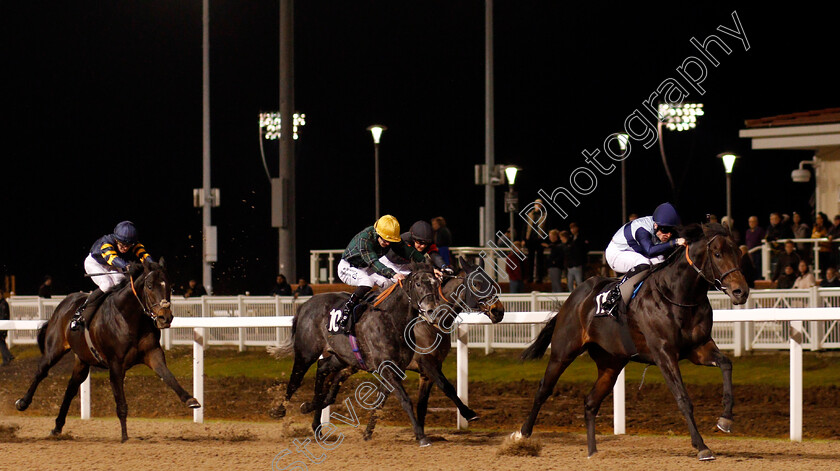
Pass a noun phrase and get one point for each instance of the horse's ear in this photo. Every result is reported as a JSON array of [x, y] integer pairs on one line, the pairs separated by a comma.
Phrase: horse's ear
[[162, 264], [464, 263]]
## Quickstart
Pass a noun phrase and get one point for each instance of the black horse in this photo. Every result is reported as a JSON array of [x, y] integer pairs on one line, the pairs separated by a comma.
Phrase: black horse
[[124, 332], [471, 289], [379, 332], [670, 319]]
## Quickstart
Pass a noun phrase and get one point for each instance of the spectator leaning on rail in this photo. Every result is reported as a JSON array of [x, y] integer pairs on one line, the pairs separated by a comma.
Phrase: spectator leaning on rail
[[753, 238], [576, 257], [801, 231], [107, 262], [805, 278], [788, 257], [360, 265], [636, 247], [443, 238], [419, 237], [831, 280]]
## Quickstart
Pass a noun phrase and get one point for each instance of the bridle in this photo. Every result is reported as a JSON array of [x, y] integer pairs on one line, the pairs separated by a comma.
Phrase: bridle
[[148, 309], [423, 312], [718, 281]]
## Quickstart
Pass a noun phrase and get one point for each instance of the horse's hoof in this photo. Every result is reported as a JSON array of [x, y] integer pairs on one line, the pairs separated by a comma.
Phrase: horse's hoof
[[124, 439], [724, 425], [306, 408], [21, 405], [367, 436], [592, 454], [706, 455], [278, 412], [55, 433], [516, 436], [424, 442], [193, 403], [470, 415]]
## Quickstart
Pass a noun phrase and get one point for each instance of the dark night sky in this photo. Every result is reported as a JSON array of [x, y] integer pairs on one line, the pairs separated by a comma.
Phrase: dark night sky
[[101, 119]]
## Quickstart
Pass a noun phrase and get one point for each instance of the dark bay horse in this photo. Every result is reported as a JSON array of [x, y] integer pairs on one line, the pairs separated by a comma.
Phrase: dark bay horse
[[379, 331], [471, 289], [124, 331], [670, 319]]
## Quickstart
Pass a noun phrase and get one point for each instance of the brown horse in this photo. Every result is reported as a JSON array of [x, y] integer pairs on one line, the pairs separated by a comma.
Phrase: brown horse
[[124, 331], [670, 319], [472, 289]]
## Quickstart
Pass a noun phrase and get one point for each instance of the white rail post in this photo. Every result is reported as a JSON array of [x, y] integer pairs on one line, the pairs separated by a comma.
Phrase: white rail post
[[488, 339], [331, 271], [313, 268], [198, 372], [815, 327], [462, 354], [325, 412], [241, 330], [765, 260], [796, 336], [84, 398], [619, 421]]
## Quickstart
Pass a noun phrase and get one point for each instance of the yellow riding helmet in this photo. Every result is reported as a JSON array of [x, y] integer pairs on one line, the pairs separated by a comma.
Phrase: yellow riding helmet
[[388, 228]]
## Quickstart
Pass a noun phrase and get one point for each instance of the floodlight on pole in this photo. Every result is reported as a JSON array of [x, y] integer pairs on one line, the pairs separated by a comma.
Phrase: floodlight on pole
[[676, 117], [376, 130]]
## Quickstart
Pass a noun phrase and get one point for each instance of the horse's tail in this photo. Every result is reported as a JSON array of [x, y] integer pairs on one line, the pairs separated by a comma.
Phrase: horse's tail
[[286, 348], [42, 336], [537, 349]]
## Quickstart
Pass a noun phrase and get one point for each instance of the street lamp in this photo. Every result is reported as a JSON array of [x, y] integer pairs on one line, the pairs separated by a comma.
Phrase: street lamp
[[676, 117], [623, 139], [728, 162], [511, 199], [376, 130]]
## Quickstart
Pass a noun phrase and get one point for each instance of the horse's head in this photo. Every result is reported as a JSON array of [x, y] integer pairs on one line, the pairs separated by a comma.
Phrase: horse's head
[[475, 291], [155, 293], [716, 257], [422, 286]]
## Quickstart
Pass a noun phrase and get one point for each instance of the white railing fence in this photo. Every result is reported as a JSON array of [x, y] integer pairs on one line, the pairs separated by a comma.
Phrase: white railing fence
[[736, 336], [795, 318]]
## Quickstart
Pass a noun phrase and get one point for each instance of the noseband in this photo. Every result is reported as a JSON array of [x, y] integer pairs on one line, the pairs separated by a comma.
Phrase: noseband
[[163, 304], [717, 282]]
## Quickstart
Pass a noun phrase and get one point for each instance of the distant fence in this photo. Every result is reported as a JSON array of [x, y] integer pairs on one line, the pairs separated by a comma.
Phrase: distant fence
[[738, 337]]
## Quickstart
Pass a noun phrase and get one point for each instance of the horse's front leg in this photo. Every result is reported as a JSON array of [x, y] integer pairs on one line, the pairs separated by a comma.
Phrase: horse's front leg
[[667, 362], [431, 368], [708, 354], [156, 360], [117, 377]]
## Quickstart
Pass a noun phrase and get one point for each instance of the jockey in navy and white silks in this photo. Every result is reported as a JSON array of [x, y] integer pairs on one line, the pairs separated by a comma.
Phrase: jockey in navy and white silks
[[637, 246]]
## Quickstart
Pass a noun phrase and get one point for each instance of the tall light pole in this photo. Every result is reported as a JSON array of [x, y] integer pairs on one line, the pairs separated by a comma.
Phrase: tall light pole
[[511, 199], [286, 260], [681, 117], [376, 130], [208, 231], [728, 163]]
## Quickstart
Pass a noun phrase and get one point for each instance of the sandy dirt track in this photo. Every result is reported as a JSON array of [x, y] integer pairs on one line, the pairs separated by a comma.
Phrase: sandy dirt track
[[167, 444]]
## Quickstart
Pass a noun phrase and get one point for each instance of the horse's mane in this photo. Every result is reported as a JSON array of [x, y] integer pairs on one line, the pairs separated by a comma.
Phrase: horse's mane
[[422, 267], [694, 233], [135, 269]]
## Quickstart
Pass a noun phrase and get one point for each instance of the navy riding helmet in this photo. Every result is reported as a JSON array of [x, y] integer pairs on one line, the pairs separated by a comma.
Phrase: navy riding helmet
[[665, 216], [421, 231], [126, 233]]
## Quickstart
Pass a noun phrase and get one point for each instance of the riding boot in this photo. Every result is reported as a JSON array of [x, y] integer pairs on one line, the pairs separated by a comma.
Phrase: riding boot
[[78, 321], [619, 296], [348, 316]]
